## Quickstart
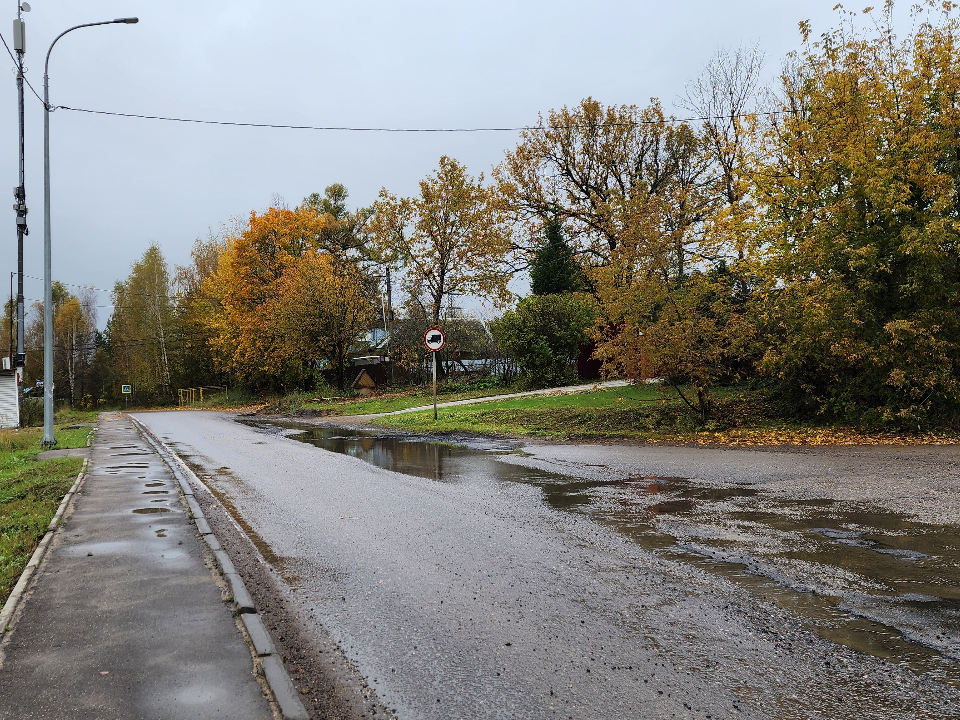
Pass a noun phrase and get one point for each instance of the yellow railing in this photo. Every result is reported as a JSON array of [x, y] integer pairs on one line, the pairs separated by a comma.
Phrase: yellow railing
[[190, 397]]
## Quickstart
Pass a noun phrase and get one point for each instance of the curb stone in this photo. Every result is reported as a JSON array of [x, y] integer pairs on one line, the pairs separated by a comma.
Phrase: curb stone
[[275, 674], [258, 635], [282, 687], [13, 601]]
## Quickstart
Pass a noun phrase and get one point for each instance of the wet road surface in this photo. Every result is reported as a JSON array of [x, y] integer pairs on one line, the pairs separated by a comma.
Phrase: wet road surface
[[593, 581]]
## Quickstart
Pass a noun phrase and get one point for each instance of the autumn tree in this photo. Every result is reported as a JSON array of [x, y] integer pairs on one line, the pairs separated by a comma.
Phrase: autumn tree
[[74, 341], [387, 231], [324, 307], [602, 172], [639, 193], [140, 333], [455, 241], [244, 290], [861, 190], [194, 311]]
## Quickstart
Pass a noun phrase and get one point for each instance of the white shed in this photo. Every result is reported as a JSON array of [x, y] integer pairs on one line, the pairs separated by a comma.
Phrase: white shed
[[9, 399]]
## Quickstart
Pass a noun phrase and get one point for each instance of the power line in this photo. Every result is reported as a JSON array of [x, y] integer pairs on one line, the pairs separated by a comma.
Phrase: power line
[[345, 128]]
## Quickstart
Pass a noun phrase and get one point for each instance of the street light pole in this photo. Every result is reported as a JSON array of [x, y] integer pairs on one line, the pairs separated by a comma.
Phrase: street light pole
[[48, 439]]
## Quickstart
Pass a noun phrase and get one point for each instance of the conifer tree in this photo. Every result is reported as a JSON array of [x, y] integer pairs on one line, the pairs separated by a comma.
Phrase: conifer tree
[[554, 269]]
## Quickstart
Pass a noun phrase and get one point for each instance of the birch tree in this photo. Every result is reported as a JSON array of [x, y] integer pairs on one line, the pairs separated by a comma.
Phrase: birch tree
[[143, 324]]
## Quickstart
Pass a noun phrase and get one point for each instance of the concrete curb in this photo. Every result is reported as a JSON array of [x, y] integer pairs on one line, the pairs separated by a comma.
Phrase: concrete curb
[[277, 678], [16, 596]]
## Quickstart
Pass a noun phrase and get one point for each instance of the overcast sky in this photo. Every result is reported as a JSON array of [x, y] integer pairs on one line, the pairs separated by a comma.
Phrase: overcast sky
[[119, 184]]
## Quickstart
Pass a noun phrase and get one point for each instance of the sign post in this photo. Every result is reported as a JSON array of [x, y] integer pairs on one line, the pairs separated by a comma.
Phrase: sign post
[[434, 340], [125, 389]]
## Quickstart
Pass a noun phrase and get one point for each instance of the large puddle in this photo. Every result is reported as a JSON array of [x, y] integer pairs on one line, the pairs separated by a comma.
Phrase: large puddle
[[856, 575]]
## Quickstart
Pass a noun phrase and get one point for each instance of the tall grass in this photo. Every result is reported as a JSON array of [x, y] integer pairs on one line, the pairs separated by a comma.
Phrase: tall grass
[[30, 492], [23, 439]]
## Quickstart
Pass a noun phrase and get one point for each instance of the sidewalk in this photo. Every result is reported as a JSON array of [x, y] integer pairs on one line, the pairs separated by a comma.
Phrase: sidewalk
[[123, 619]]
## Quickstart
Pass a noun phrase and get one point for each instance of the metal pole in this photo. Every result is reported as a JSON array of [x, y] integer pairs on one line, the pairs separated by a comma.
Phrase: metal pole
[[21, 197], [10, 310], [434, 384], [48, 439]]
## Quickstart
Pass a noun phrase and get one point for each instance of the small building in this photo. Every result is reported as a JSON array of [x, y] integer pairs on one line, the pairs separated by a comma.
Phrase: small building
[[9, 398], [364, 384]]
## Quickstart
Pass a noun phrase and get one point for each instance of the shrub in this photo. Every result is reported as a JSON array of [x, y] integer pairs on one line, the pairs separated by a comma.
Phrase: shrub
[[544, 335]]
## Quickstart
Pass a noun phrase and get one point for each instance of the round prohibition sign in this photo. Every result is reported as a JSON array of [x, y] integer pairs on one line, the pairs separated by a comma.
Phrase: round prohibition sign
[[434, 339]]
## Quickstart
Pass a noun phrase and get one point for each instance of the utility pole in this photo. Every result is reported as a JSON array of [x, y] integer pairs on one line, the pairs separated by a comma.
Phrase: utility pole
[[20, 192]]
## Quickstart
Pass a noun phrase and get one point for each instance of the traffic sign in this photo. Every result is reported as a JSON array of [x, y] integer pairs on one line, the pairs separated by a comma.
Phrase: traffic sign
[[434, 339], [125, 389]]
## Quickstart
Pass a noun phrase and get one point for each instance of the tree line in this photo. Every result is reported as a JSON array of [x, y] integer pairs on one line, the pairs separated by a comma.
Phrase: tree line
[[801, 233]]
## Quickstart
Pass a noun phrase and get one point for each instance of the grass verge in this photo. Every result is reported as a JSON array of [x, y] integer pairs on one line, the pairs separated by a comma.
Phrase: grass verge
[[650, 414], [30, 493], [317, 404]]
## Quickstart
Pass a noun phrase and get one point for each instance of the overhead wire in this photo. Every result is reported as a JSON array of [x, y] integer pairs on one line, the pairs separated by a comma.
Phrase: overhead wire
[[348, 128], [10, 53]]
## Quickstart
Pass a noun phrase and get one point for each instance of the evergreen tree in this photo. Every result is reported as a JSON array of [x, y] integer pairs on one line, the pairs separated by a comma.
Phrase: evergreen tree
[[554, 269]]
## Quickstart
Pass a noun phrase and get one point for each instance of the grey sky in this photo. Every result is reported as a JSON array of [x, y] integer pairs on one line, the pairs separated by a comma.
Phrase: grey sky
[[119, 184]]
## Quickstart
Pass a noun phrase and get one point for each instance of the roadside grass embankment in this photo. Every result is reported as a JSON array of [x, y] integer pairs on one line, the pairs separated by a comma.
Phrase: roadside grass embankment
[[330, 401], [319, 404], [654, 414], [30, 493]]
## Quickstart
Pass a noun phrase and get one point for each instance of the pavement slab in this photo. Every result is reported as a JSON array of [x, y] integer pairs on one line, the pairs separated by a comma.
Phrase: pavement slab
[[124, 619]]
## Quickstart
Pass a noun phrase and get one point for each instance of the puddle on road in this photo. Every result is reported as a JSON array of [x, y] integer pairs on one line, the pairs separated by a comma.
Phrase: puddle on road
[[862, 577], [150, 511]]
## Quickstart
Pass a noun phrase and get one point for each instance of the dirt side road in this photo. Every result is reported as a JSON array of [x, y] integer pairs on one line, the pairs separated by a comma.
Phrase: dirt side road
[[487, 591]]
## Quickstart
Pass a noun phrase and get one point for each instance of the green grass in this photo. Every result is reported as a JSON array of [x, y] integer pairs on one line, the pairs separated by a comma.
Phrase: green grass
[[30, 492], [317, 403], [599, 413], [741, 416]]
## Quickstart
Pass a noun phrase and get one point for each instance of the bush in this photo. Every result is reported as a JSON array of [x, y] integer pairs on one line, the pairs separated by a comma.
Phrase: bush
[[544, 335], [31, 412]]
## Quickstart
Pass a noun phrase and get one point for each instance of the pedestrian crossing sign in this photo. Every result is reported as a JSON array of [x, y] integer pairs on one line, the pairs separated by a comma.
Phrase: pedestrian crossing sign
[[125, 389]]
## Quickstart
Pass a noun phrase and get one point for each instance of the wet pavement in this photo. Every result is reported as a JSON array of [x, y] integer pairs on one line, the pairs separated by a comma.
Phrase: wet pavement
[[592, 581], [124, 619]]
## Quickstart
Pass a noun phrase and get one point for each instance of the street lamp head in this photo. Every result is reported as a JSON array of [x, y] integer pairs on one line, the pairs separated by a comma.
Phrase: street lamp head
[[128, 21]]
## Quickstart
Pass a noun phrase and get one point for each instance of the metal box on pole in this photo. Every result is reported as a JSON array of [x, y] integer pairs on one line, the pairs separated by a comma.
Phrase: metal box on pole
[[19, 35]]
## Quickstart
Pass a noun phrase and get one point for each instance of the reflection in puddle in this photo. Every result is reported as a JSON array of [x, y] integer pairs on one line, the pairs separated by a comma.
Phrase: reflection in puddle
[[149, 511], [862, 577]]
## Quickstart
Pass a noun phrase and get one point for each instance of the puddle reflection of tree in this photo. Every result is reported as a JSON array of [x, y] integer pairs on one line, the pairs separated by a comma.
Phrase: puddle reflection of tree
[[426, 460]]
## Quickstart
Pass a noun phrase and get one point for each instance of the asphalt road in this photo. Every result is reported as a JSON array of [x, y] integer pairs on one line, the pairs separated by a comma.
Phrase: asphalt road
[[475, 597]]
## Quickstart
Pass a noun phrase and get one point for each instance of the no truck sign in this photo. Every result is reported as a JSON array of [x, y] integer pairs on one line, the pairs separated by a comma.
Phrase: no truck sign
[[434, 339]]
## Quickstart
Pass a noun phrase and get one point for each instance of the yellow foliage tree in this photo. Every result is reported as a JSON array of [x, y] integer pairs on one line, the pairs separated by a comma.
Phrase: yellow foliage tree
[[324, 307], [451, 239]]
